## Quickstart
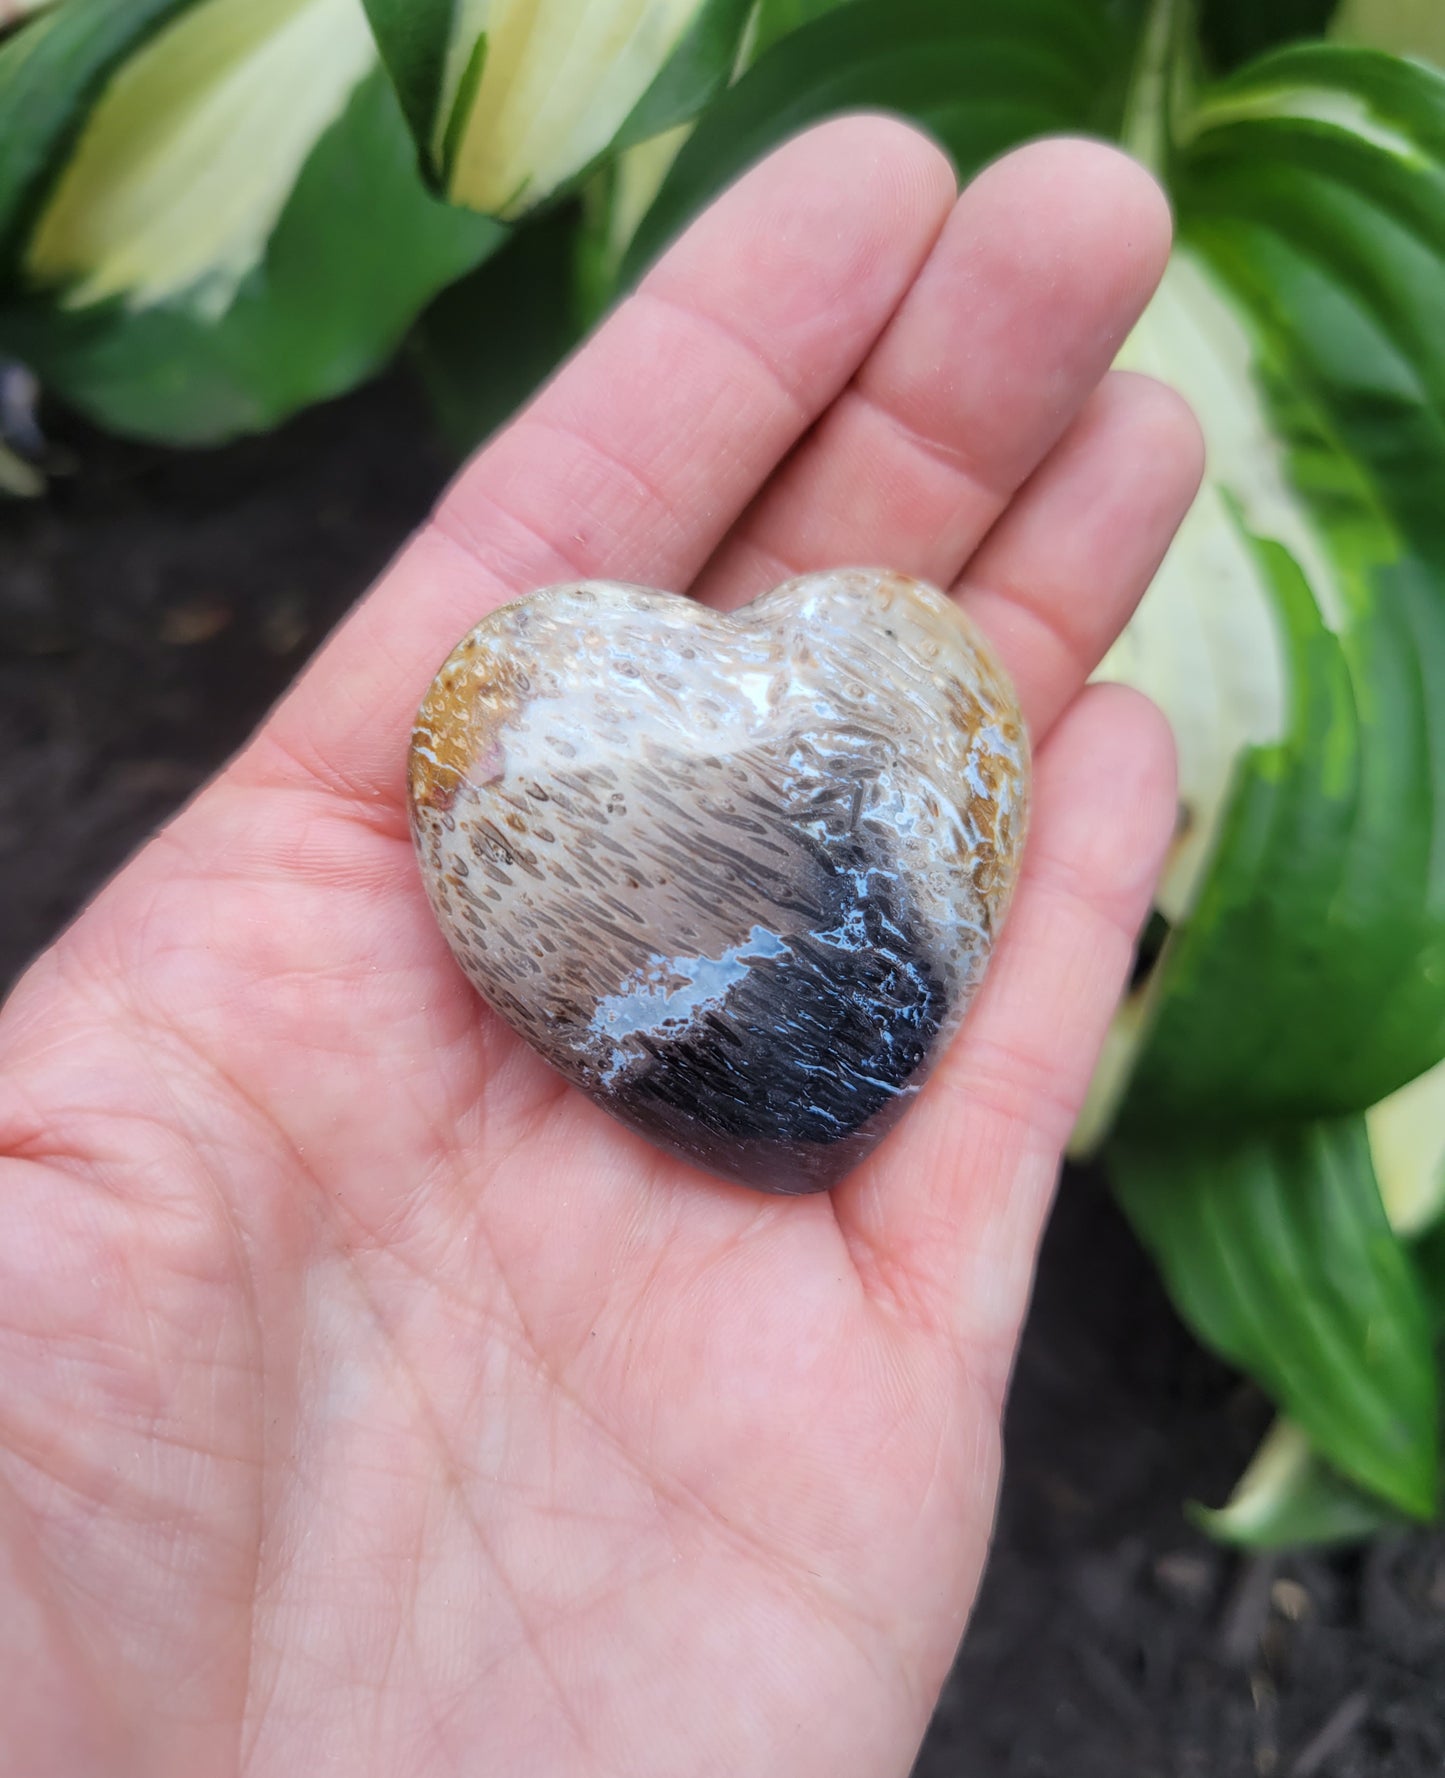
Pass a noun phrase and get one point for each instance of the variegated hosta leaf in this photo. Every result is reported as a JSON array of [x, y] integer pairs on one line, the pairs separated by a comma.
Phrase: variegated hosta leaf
[[774, 19], [485, 345], [1236, 30], [980, 76], [626, 191], [639, 175], [209, 210], [1290, 1496], [1277, 1251], [51, 73], [510, 100], [1297, 639], [1206, 643], [186, 162], [1297, 635]]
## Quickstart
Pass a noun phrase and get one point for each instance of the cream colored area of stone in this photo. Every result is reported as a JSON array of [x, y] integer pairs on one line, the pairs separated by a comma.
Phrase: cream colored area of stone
[[616, 791]]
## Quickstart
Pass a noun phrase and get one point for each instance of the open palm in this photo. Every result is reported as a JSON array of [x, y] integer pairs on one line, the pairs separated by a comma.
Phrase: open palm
[[371, 1402]]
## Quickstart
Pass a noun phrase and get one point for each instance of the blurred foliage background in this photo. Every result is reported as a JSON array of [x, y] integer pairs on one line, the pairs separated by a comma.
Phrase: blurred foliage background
[[214, 213]]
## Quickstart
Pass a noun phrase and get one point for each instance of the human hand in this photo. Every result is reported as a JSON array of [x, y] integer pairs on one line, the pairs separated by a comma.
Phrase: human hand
[[371, 1401]]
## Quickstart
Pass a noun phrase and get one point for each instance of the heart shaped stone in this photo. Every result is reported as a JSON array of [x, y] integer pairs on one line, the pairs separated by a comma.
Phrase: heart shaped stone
[[735, 875]]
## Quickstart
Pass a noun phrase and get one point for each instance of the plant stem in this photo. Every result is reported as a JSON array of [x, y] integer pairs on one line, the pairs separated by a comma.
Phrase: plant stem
[[1155, 82]]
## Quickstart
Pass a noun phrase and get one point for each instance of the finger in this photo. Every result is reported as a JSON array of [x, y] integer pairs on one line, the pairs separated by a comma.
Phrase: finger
[[1059, 576], [944, 1222], [1046, 262], [636, 459]]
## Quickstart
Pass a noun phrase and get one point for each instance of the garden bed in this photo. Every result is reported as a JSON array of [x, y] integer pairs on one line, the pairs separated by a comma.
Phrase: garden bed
[[155, 605]]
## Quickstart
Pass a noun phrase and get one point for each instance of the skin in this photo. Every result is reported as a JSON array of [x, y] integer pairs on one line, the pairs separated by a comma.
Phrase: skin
[[369, 1401]]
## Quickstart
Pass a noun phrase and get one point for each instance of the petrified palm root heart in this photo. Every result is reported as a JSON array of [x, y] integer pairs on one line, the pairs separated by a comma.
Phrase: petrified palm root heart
[[735, 876]]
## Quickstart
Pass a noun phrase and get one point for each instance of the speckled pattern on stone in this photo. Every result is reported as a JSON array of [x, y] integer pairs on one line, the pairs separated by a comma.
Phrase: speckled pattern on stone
[[736, 876]]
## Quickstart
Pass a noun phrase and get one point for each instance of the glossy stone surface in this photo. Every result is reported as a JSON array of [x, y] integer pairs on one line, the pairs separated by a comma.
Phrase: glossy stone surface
[[736, 876]]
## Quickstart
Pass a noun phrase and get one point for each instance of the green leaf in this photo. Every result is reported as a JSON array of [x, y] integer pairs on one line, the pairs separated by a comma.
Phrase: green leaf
[[1297, 639], [1277, 1252], [51, 73], [696, 72], [512, 101], [358, 249], [191, 151], [486, 344], [1428, 1254], [618, 199], [1206, 643], [1235, 31], [777, 18], [1309, 888], [979, 76], [1407, 1144], [459, 111], [1289, 1496], [412, 36]]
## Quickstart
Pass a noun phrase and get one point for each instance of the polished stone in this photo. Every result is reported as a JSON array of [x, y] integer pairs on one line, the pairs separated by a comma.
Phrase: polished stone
[[736, 876]]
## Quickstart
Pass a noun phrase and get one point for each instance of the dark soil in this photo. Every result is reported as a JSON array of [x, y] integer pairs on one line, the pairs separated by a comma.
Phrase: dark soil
[[1111, 1639], [153, 606]]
